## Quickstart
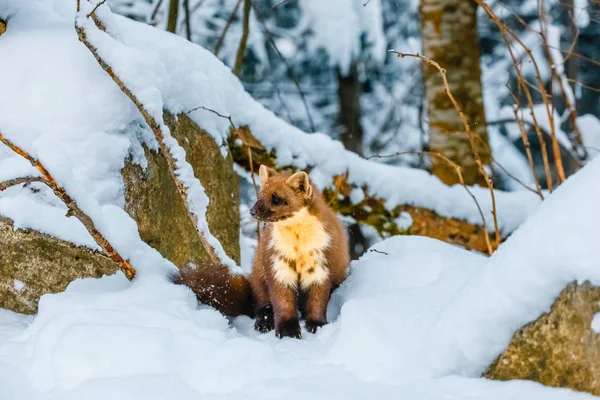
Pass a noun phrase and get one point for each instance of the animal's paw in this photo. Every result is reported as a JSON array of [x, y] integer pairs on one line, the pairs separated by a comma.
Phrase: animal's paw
[[288, 328], [264, 322], [312, 325]]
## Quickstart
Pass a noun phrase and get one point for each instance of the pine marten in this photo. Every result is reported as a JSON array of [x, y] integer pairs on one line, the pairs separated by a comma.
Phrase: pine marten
[[302, 256]]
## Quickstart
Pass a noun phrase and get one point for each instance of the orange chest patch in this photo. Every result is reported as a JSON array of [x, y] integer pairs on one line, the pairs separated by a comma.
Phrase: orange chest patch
[[300, 243]]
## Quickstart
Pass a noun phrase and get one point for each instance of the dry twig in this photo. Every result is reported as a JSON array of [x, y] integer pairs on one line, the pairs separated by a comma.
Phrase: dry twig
[[74, 209], [505, 32], [226, 28], [236, 133], [17, 181], [458, 170], [470, 134]]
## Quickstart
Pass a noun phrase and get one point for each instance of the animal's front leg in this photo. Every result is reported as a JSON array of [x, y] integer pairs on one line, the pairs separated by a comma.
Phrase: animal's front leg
[[284, 300], [316, 305]]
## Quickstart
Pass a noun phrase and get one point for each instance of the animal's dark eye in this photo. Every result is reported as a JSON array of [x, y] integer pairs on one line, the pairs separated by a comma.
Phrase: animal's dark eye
[[276, 200]]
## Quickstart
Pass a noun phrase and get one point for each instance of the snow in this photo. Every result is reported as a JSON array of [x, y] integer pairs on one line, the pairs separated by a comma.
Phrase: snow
[[18, 285], [596, 323], [397, 322], [337, 27], [417, 318], [64, 83]]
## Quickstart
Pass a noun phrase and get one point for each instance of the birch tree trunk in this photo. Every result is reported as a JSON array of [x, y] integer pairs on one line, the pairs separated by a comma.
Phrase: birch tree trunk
[[449, 35]]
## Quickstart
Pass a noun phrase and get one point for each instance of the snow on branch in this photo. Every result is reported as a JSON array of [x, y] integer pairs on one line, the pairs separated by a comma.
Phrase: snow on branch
[[189, 187], [71, 204]]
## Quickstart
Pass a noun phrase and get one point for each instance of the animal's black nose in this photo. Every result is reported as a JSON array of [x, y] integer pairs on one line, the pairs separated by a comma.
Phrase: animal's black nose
[[253, 212]]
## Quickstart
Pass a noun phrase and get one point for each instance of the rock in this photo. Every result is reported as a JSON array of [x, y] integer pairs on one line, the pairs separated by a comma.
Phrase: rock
[[33, 264], [153, 201], [560, 348]]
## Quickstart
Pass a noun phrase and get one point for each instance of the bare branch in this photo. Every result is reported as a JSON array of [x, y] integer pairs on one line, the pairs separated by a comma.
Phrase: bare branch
[[280, 4], [505, 31], [290, 71], [239, 58], [470, 134], [74, 209], [226, 28], [458, 170], [96, 7], [17, 181]]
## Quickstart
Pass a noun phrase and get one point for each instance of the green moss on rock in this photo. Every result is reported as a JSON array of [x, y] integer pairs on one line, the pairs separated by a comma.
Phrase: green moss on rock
[[153, 201], [44, 264], [560, 348]]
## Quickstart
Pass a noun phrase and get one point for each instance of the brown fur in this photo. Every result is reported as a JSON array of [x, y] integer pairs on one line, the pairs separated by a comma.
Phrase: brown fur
[[300, 197], [215, 286], [302, 257]]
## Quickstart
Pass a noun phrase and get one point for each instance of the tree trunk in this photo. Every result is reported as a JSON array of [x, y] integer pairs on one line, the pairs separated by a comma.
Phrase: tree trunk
[[173, 13], [352, 137], [152, 200], [449, 34]]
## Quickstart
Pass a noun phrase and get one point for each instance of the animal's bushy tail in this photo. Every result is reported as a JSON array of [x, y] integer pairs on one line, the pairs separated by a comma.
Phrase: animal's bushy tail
[[216, 286]]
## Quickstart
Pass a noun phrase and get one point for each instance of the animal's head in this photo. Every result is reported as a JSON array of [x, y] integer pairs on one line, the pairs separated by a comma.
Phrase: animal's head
[[281, 195]]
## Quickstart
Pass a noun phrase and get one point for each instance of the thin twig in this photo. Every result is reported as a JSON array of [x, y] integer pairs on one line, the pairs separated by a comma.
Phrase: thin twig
[[236, 132], [289, 70], [378, 251], [155, 12], [470, 133], [458, 170], [17, 181], [226, 28], [505, 32], [95, 8], [188, 25], [74, 209], [280, 4], [558, 74]]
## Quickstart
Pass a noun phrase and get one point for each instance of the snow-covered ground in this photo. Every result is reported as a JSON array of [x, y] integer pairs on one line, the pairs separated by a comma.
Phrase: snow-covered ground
[[417, 319]]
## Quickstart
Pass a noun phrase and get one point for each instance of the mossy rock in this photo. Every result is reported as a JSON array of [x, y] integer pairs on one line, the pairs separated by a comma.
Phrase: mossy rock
[[560, 348], [153, 201], [33, 264]]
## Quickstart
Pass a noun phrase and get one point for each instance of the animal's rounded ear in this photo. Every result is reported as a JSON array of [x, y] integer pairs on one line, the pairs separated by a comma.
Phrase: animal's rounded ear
[[300, 182], [265, 173]]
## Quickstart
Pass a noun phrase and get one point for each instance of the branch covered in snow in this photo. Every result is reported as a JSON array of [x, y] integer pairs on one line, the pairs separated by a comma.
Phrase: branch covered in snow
[[189, 187], [74, 209]]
